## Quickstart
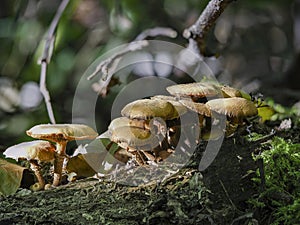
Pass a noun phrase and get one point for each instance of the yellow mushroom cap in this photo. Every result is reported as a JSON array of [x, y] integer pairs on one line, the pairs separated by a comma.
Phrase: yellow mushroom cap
[[229, 92], [233, 107], [199, 108], [201, 89], [118, 122], [62, 132], [124, 121], [37, 150], [178, 106], [134, 137], [150, 108]]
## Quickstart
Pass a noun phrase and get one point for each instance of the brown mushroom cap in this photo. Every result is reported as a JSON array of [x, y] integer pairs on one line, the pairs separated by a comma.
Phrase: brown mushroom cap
[[38, 150], [201, 89], [178, 106], [229, 92], [134, 137], [199, 108], [59, 132], [233, 107], [150, 108]]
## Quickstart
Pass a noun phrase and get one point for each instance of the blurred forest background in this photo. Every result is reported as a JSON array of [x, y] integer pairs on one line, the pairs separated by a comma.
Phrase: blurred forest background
[[258, 42]]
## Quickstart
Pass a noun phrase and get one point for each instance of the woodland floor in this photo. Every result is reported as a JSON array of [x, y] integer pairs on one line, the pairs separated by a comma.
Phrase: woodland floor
[[218, 195]]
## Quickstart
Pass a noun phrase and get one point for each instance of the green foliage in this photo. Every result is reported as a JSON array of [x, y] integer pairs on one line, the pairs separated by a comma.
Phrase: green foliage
[[280, 112], [282, 177], [254, 136]]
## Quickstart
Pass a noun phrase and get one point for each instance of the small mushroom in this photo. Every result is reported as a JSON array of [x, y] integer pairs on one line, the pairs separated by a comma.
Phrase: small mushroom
[[230, 92], [197, 91], [236, 109], [61, 134], [178, 106], [119, 122], [141, 143], [134, 138], [35, 152], [124, 121], [199, 108], [146, 109]]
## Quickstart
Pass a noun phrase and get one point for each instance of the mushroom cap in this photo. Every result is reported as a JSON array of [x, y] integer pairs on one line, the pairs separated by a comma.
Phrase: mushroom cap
[[150, 108], [201, 89], [62, 132], [178, 106], [37, 150], [199, 108], [118, 122], [229, 92], [233, 107], [124, 121], [134, 138]]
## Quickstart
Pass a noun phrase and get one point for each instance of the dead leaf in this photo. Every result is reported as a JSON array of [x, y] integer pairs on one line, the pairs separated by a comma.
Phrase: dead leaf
[[79, 165], [10, 176]]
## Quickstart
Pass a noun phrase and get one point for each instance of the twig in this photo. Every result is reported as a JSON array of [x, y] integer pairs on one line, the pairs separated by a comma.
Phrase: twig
[[46, 57], [138, 43], [197, 32], [261, 169], [157, 31], [242, 217], [226, 193], [264, 138], [106, 64]]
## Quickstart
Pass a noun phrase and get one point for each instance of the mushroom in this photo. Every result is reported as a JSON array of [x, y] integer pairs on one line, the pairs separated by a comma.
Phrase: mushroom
[[146, 109], [135, 140], [156, 114], [119, 122], [124, 121], [229, 92], [61, 134], [199, 108], [34, 152], [236, 109], [178, 106], [197, 91]]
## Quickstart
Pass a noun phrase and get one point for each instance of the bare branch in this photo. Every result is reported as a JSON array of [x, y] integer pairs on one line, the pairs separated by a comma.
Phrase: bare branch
[[45, 92], [136, 45], [157, 31], [46, 57], [197, 32], [106, 64]]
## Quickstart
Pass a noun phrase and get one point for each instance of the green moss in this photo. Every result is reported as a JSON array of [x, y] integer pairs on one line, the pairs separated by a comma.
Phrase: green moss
[[282, 182]]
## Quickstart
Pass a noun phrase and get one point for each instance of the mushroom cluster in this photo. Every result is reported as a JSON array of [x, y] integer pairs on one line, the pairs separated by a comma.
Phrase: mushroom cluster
[[150, 129]]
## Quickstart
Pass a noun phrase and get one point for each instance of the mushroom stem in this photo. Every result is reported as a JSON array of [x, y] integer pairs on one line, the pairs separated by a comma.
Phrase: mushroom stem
[[59, 161], [36, 169]]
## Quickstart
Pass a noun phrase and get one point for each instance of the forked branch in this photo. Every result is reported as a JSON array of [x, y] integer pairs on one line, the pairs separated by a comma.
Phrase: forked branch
[[197, 32], [138, 43], [107, 67], [46, 57]]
